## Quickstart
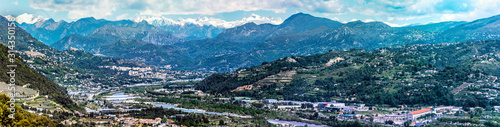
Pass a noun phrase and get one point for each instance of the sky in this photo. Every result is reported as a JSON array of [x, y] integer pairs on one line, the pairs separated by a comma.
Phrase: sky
[[391, 12]]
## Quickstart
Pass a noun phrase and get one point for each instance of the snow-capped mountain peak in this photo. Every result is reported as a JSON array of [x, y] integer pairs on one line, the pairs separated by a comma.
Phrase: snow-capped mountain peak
[[202, 21], [26, 18]]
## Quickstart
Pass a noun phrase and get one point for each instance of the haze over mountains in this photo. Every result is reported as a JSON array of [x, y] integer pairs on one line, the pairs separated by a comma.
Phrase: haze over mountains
[[248, 44]]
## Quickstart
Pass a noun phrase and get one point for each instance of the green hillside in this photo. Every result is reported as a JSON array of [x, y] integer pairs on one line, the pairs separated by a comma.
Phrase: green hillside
[[22, 118], [25, 75], [412, 75]]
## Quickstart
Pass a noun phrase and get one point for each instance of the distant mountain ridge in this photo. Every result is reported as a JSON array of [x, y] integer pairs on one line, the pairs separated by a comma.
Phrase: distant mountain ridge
[[436, 27], [26, 75], [49, 31], [54, 64], [108, 33], [207, 21], [294, 24], [357, 34], [300, 34]]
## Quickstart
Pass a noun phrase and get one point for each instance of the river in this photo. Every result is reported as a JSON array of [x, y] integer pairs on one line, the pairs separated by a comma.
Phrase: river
[[118, 97], [170, 106]]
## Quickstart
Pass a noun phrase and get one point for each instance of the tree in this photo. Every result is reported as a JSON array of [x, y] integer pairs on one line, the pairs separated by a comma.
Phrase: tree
[[24, 123], [478, 112], [390, 122], [407, 123], [221, 122], [257, 105]]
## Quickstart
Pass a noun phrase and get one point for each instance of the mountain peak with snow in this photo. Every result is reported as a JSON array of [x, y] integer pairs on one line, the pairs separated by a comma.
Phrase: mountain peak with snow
[[26, 18], [203, 21]]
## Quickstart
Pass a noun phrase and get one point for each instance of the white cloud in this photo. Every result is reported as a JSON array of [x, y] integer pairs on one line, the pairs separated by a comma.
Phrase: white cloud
[[321, 6], [257, 19], [423, 6], [204, 7], [482, 9], [103, 8], [122, 17], [369, 20], [15, 3], [391, 10], [390, 18], [78, 8]]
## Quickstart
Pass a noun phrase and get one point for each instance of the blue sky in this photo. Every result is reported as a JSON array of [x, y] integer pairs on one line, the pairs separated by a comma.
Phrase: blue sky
[[393, 12]]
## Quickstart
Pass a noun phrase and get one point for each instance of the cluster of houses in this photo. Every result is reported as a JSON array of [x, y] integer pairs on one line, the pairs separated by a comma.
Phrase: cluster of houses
[[126, 121], [416, 116]]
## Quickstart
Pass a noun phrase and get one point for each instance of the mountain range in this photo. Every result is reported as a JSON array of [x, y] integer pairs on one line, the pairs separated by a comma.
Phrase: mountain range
[[26, 76], [251, 43], [41, 66], [108, 33]]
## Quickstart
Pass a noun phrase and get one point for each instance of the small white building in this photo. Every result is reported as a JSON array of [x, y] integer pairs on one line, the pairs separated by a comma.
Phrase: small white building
[[497, 108], [270, 101], [328, 104]]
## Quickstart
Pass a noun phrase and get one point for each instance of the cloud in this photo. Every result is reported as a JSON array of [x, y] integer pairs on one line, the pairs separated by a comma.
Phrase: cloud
[[482, 8], [205, 7], [389, 9], [369, 20], [321, 6], [103, 8], [78, 8], [392, 10], [122, 17]]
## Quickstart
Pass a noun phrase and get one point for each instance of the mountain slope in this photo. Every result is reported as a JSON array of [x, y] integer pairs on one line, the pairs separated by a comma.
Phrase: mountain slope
[[76, 66], [193, 31], [294, 24], [22, 117], [146, 52], [356, 34], [107, 34], [481, 29], [412, 75], [243, 38], [49, 31], [436, 27], [25, 75]]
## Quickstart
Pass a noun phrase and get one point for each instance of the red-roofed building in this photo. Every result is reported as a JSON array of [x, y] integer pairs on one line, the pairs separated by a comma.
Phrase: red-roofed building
[[415, 114]]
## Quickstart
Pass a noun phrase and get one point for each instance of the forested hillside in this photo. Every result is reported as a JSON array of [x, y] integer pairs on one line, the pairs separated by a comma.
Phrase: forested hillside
[[412, 75], [22, 117], [25, 75]]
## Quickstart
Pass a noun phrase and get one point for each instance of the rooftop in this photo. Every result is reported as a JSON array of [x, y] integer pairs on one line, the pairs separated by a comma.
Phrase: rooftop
[[421, 111]]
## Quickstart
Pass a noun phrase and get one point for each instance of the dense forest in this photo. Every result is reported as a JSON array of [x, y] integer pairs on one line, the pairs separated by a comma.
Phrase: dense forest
[[411, 75]]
